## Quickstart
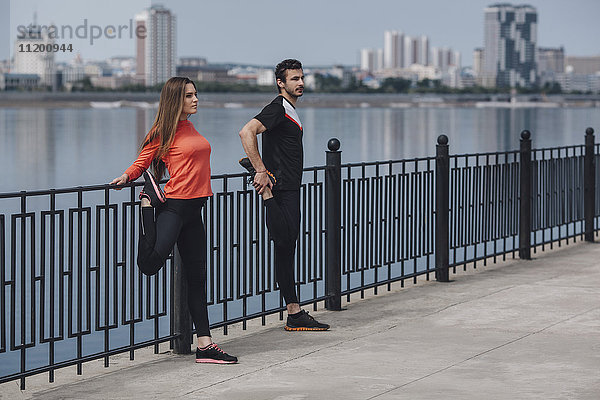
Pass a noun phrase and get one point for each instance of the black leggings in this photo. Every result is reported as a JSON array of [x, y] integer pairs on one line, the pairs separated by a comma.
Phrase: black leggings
[[178, 221], [283, 221]]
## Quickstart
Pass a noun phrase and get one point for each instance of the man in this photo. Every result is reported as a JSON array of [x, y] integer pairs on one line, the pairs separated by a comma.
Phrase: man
[[277, 176]]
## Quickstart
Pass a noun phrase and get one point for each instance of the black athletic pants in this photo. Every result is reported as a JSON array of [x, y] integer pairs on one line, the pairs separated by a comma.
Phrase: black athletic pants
[[178, 221], [283, 221]]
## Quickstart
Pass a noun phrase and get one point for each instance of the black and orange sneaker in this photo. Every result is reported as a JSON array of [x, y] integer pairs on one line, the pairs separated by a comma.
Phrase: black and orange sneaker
[[245, 162], [152, 191], [212, 354], [302, 321]]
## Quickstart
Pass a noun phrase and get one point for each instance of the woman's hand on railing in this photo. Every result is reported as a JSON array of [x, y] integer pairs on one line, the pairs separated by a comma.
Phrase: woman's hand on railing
[[121, 180]]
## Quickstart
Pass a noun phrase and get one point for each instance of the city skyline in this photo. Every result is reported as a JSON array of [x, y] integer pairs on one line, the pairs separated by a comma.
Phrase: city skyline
[[261, 33]]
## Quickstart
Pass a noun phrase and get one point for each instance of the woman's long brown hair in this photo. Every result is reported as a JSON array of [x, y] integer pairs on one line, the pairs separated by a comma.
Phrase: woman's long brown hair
[[170, 107]]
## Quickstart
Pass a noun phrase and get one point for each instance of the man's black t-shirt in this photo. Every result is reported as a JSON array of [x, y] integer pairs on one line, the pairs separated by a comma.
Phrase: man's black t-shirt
[[282, 152]]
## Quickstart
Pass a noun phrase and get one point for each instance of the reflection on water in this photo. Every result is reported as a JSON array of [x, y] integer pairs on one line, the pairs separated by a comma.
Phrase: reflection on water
[[47, 148]]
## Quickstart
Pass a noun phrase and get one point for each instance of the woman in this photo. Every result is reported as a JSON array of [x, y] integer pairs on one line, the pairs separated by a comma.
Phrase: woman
[[175, 216]]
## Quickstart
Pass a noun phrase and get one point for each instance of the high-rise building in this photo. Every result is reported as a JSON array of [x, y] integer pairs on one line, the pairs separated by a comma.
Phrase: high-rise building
[[155, 51], [478, 64], [367, 60], [510, 45], [455, 59], [444, 58], [423, 50], [390, 44], [409, 52], [393, 45], [378, 59], [439, 58], [551, 60], [29, 58]]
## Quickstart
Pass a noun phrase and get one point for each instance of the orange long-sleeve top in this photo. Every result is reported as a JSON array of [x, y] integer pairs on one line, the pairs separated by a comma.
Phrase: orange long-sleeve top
[[188, 163]]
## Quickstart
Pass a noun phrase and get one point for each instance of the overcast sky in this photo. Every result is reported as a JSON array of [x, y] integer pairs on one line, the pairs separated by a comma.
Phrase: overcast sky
[[318, 32]]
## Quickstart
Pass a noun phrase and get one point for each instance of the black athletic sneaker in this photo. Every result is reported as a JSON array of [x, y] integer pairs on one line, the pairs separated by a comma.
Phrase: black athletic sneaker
[[152, 191], [245, 162], [304, 322], [213, 354]]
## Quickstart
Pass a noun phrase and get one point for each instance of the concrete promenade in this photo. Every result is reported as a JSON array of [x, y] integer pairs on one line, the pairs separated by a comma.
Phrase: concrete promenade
[[511, 330]]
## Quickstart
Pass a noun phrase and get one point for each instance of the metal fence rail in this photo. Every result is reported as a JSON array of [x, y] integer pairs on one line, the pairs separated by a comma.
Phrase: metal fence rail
[[558, 190], [484, 206], [68, 281], [70, 291], [387, 229]]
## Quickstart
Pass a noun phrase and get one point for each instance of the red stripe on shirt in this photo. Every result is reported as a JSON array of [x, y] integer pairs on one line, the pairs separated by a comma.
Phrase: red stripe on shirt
[[293, 120]]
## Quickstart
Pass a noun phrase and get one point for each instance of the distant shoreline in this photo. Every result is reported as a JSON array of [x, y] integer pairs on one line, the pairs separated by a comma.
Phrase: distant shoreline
[[330, 100]]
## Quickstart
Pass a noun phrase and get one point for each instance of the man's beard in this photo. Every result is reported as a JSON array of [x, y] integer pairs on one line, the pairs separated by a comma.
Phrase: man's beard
[[292, 94]]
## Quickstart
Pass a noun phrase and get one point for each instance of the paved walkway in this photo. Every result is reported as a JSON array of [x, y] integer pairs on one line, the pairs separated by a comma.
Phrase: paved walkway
[[513, 330]]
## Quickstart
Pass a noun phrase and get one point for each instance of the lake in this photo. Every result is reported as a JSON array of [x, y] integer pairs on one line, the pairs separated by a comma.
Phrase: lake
[[42, 148]]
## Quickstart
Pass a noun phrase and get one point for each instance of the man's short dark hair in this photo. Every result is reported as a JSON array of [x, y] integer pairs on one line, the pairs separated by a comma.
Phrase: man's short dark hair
[[284, 66]]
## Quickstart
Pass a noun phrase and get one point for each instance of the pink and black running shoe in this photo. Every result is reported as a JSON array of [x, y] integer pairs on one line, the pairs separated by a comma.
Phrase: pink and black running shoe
[[152, 191], [212, 354]]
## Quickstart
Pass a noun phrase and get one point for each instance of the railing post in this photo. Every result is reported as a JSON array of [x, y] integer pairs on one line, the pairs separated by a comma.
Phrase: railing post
[[589, 183], [442, 210], [525, 197], [333, 221], [181, 314]]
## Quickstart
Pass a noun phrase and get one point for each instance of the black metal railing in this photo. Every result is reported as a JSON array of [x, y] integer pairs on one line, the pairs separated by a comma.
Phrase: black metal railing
[[387, 229], [70, 291]]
